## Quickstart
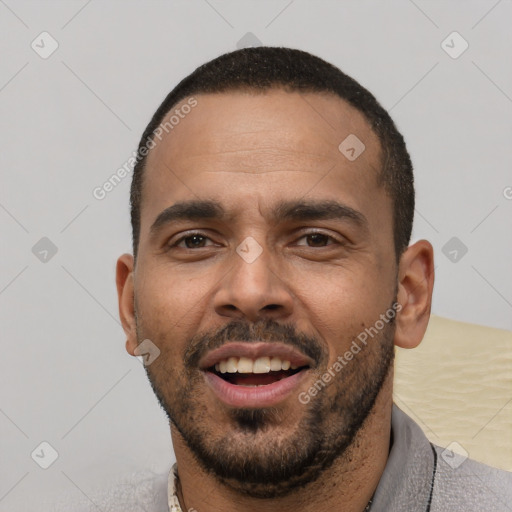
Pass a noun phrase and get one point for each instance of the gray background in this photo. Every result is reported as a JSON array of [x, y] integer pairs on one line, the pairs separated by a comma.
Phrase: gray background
[[70, 120]]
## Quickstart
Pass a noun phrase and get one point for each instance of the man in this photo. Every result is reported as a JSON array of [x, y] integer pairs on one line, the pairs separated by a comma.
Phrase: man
[[272, 207]]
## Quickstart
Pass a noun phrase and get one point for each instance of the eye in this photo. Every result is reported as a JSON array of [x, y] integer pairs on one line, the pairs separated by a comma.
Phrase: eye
[[191, 241], [197, 240], [317, 239]]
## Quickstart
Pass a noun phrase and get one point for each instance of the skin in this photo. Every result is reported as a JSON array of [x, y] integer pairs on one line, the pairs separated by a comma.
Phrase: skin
[[249, 151]]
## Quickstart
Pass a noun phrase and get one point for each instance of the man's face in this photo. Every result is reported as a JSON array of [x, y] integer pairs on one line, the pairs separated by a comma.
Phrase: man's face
[[271, 278]]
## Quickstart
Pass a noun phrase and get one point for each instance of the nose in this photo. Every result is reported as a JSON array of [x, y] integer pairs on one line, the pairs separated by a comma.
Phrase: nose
[[252, 290]]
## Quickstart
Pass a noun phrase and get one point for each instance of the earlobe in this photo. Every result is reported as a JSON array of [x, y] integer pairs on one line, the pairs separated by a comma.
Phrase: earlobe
[[415, 286], [125, 295]]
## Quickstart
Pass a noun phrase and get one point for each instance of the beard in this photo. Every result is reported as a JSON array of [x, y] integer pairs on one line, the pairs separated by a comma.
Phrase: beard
[[258, 454]]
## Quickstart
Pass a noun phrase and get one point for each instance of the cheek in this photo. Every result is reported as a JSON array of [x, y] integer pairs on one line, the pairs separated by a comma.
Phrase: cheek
[[172, 302], [342, 304], [165, 308], [338, 292], [171, 293]]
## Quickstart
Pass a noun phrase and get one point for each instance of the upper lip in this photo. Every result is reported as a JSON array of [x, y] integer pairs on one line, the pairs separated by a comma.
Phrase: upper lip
[[253, 350]]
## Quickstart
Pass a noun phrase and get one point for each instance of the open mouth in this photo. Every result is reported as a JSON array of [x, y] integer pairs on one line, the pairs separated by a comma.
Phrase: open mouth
[[243, 371], [256, 374]]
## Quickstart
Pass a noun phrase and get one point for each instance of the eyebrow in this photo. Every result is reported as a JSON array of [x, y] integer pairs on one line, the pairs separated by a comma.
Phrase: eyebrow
[[292, 210]]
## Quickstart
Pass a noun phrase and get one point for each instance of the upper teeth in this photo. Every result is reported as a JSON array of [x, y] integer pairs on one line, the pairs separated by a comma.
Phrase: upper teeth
[[259, 365]]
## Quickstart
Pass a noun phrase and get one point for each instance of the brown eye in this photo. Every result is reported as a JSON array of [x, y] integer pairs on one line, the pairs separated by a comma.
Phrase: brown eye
[[316, 240], [192, 241]]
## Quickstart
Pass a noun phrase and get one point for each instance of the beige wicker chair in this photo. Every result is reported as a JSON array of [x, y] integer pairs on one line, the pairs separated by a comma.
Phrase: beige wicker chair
[[457, 385]]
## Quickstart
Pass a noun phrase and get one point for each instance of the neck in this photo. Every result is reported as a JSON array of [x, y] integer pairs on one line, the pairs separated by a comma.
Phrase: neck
[[347, 485]]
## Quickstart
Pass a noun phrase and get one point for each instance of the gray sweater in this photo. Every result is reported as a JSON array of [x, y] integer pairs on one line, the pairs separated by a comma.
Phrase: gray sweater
[[421, 477], [418, 477]]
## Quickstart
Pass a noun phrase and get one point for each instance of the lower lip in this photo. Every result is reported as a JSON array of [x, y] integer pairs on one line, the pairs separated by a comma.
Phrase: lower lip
[[254, 397]]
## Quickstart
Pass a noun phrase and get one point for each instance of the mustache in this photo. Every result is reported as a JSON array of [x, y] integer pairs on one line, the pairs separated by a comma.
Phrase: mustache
[[267, 330]]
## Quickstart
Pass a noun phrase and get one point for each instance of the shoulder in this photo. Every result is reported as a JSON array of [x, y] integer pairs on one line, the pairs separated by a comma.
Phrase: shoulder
[[141, 491], [467, 485]]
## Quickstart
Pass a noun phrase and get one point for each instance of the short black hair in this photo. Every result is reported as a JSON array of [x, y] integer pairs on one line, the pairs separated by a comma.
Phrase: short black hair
[[263, 68]]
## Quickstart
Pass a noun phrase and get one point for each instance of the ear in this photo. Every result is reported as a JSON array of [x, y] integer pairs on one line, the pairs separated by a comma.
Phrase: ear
[[415, 285], [125, 295]]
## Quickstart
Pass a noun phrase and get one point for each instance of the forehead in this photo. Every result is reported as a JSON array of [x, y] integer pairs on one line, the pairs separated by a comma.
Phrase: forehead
[[250, 149], [233, 122]]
